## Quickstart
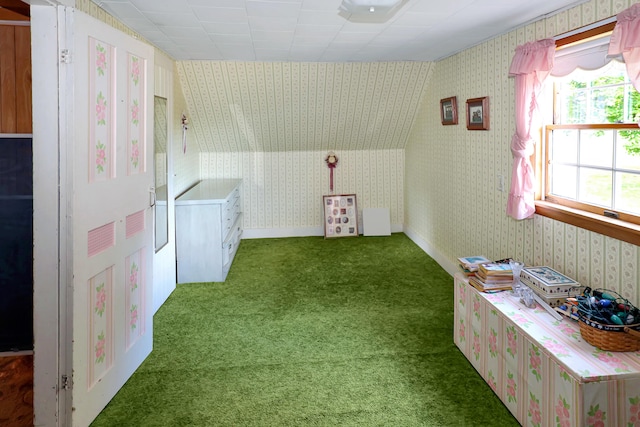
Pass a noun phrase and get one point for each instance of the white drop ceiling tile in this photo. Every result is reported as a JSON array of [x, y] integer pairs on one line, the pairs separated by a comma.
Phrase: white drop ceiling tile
[[272, 37], [216, 3], [317, 29], [225, 28], [314, 39], [354, 37], [364, 27], [319, 17], [173, 6], [297, 2], [174, 20], [220, 14], [269, 55], [404, 32], [198, 44], [236, 52], [210, 55], [262, 23], [321, 4], [440, 7], [181, 33], [309, 43], [420, 19], [272, 9], [231, 38]]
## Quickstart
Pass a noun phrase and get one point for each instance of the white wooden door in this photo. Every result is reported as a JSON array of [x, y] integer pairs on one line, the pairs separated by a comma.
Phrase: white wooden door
[[111, 222]]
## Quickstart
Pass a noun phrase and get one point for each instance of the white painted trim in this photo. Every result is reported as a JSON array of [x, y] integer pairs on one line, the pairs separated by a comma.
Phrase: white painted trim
[[164, 260], [449, 266], [47, 302], [15, 353], [16, 23], [267, 233], [16, 135]]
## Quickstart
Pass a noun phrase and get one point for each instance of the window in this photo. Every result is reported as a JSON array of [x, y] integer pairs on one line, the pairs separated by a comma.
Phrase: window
[[591, 171]]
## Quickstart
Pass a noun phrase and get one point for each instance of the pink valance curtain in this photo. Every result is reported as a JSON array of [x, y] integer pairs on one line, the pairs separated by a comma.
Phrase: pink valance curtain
[[530, 66], [625, 40]]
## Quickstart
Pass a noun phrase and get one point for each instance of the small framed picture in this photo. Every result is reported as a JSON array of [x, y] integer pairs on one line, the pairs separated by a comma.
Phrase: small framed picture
[[340, 221], [478, 113], [449, 111]]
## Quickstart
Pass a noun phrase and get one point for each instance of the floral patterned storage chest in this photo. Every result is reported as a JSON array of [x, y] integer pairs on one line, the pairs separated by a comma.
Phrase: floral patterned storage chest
[[540, 367]]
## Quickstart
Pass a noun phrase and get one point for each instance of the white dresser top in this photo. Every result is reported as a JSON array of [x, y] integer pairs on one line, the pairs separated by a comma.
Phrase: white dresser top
[[208, 191]]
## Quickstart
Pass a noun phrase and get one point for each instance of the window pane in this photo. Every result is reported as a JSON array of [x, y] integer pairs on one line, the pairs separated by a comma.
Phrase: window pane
[[606, 104], [564, 148], [596, 186], [628, 150], [630, 105], [596, 96], [628, 192], [563, 181], [572, 103], [596, 148]]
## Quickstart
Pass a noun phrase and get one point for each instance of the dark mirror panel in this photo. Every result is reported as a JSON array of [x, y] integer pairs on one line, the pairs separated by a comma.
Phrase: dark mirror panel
[[16, 244]]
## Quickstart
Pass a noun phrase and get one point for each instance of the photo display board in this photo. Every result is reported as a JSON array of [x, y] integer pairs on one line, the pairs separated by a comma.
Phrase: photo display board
[[340, 216]]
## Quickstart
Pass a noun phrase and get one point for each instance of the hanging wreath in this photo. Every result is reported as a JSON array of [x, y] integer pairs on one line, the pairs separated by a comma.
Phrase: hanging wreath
[[332, 162]]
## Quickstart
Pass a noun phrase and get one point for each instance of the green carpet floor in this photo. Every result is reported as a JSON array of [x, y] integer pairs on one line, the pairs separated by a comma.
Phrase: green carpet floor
[[310, 332]]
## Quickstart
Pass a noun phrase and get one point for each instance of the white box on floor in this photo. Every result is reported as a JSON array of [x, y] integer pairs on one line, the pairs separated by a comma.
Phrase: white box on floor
[[376, 222]]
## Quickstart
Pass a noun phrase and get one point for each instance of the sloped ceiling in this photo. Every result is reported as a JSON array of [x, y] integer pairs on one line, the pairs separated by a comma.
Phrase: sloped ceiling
[[293, 106]]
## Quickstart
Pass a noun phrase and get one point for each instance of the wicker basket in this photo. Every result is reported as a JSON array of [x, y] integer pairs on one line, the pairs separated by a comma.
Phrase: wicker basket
[[610, 337]]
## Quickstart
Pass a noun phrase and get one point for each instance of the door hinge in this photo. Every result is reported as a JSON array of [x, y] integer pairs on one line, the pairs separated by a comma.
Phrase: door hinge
[[65, 56], [64, 384]]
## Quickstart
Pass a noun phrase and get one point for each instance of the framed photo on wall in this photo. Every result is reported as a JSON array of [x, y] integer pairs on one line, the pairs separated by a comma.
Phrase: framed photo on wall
[[340, 216], [478, 113], [449, 111]]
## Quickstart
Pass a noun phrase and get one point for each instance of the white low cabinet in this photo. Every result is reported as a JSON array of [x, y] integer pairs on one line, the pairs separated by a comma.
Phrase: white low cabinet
[[208, 230]]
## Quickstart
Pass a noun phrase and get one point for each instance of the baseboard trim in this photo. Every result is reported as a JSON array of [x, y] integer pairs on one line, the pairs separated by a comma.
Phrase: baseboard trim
[[268, 233], [443, 261]]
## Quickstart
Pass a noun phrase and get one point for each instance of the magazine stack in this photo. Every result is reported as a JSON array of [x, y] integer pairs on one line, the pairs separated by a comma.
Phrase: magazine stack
[[492, 276], [469, 264]]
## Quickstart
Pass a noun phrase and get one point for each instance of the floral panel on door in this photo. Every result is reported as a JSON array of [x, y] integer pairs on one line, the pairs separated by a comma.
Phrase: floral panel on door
[[134, 297], [101, 104], [100, 312], [136, 119]]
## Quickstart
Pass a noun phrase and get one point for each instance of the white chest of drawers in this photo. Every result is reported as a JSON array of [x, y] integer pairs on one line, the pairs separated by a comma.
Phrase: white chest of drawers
[[208, 230]]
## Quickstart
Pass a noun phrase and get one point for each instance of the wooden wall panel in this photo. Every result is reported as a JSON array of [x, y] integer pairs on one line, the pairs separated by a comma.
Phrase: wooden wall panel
[[15, 79], [7, 79], [23, 79], [16, 391]]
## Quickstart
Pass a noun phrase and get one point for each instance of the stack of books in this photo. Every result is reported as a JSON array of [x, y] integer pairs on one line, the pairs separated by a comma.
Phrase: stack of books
[[492, 276], [469, 264]]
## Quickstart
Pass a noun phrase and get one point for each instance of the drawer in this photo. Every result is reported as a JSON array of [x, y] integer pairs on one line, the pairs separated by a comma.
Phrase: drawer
[[230, 210], [230, 245]]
